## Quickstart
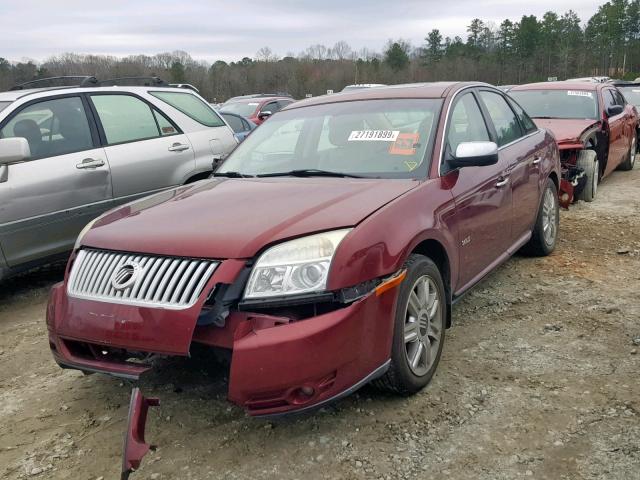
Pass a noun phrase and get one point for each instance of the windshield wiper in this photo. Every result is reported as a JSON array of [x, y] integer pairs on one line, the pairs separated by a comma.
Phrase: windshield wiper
[[231, 175], [310, 172]]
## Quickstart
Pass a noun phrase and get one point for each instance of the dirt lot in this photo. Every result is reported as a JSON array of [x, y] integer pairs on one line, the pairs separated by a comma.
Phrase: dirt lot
[[539, 379]]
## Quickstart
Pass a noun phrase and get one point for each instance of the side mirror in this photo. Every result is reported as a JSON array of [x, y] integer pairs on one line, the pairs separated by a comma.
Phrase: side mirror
[[614, 110], [264, 115], [475, 154], [14, 150]]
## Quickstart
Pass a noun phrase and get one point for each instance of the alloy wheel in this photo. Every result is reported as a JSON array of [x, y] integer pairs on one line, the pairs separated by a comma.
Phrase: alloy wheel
[[549, 217], [423, 325]]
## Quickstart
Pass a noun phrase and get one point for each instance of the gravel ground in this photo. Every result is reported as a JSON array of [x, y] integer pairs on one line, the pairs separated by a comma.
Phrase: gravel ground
[[539, 379]]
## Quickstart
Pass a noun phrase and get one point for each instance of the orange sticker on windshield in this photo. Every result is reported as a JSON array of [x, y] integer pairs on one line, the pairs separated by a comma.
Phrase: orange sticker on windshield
[[405, 144]]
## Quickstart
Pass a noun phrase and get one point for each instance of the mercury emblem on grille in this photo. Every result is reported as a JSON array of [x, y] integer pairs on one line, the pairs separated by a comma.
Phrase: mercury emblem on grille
[[125, 276]]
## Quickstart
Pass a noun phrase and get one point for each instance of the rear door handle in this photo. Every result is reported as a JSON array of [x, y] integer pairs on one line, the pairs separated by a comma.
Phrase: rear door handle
[[90, 163], [178, 147], [502, 182]]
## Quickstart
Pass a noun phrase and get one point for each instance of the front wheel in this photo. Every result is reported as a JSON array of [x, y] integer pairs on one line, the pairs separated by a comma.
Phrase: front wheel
[[588, 162], [545, 231], [419, 328]]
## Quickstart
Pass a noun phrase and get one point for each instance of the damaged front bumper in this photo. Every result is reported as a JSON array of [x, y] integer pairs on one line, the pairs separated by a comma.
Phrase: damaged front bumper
[[280, 363]]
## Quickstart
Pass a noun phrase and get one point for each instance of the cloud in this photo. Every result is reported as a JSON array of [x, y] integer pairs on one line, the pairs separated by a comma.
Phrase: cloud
[[216, 30]]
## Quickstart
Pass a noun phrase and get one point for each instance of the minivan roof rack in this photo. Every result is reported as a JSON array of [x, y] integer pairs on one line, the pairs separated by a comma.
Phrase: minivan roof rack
[[133, 81], [79, 81]]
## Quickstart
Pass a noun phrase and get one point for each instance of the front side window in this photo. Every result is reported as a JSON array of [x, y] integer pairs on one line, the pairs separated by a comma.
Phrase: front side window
[[270, 107], [466, 124], [503, 118], [125, 118], [609, 100], [191, 106], [53, 127], [580, 104], [375, 138]]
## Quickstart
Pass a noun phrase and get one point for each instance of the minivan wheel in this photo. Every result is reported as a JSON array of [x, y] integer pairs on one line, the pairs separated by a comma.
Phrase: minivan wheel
[[419, 328], [588, 162], [545, 231], [631, 156]]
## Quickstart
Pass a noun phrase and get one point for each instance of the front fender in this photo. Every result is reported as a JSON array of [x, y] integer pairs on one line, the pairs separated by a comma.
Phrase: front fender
[[380, 244]]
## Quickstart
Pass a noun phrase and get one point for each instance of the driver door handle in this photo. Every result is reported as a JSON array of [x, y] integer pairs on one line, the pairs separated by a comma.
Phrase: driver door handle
[[502, 181], [90, 163], [178, 147]]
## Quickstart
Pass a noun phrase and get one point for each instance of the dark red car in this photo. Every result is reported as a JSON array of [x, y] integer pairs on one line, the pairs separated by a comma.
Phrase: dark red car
[[327, 251], [596, 130], [256, 108]]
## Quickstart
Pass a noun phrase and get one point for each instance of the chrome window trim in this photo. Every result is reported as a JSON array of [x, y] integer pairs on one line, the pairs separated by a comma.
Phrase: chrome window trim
[[446, 121]]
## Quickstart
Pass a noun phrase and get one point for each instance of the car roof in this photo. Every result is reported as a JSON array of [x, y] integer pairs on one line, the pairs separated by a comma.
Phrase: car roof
[[573, 85], [260, 99], [409, 90], [13, 95]]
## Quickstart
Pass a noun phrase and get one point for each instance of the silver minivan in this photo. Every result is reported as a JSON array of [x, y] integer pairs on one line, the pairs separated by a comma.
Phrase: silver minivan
[[69, 154]]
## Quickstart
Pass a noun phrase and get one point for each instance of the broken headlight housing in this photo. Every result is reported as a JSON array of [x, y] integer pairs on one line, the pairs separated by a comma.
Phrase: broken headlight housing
[[294, 267]]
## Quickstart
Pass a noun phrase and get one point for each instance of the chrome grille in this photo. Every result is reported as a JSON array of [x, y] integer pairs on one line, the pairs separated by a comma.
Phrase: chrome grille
[[134, 279]]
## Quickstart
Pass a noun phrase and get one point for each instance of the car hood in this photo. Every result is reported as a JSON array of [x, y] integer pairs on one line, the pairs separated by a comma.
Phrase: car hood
[[564, 129], [236, 218]]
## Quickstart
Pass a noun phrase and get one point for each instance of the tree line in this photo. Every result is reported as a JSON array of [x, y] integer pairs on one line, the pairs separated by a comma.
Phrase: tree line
[[528, 50]]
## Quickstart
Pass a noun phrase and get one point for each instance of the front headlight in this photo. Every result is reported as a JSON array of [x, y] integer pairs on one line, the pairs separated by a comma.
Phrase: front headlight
[[297, 266]]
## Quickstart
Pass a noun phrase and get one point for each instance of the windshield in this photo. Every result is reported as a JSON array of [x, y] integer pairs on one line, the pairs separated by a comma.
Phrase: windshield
[[632, 94], [557, 103], [4, 105], [240, 108], [374, 138]]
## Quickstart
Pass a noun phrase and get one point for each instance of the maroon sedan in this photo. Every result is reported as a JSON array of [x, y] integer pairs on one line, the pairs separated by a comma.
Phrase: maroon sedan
[[596, 130], [256, 108], [325, 253]]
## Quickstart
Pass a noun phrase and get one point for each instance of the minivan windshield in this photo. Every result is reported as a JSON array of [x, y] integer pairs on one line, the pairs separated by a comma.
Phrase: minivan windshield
[[373, 138], [558, 103], [632, 94]]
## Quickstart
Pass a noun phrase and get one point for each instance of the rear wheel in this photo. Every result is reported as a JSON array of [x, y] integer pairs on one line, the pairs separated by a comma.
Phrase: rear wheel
[[545, 232], [419, 328], [588, 162], [631, 156]]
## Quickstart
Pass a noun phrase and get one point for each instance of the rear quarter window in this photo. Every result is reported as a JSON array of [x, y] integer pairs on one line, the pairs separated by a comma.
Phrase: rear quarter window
[[191, 106]]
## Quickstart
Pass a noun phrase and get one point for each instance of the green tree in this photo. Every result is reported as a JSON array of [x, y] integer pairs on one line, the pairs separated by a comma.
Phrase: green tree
[[177, 72], [397, 56], [432, 51]]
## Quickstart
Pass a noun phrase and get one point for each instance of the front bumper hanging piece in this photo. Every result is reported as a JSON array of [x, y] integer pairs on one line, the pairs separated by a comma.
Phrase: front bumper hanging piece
[[135, 446]]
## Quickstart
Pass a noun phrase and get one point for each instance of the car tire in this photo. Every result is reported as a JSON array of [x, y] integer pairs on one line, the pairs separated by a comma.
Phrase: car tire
[[545, 231], [631, 156], [419, 328], [588, 162]]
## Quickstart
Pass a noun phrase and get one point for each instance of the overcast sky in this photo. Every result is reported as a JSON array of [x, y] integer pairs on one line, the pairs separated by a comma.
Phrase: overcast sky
[[230, 30]]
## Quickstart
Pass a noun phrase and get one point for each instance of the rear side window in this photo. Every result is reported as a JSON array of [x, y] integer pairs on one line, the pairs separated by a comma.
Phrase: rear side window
[[125, 118], [53, 127], [235, 123], [525, 120], [503, 118], [191, 106]]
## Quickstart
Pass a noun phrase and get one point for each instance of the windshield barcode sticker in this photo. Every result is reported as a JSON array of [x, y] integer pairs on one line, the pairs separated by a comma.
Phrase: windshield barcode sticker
[[374, 135], [578, 93]]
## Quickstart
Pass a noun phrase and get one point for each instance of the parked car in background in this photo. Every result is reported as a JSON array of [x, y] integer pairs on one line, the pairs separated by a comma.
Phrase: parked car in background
[[505, 88], [256, 108], [68, 154], [241, 126], [361, 86], [325, 252], [630, 90], [595, 127]]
